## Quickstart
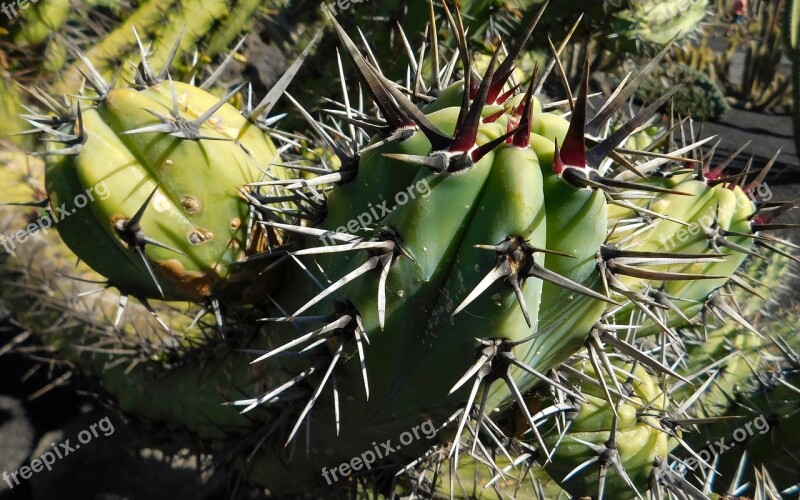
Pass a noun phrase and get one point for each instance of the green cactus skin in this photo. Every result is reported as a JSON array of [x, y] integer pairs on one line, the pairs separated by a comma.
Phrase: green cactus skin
[[196, 211], [748, 386], [732, 338], [576, 226], [511, 204], [732, 210], [576, 222], [771, 438], [428, 289], [69, 319], [10, 108], [638, 438], [210, 28], [40, 22], [164, 22], [185, 398], [415, 358]]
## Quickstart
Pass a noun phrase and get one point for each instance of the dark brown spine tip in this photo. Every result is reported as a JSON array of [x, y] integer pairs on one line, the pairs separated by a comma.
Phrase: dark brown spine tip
[[508, 94], [714, 174], [467, 129], [761, 218], [494, 116], [376, 88], [573, 151], [485, 149], [762, 174], [474, 85], [506, 69], [497, 85]]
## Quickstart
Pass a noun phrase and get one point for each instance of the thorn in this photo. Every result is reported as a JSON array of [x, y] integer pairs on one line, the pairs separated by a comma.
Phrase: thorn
[[611, 106], [316, 394], [478, 153], [265, 106], [522, 136], [130, 232], [379, 91], [766, 217], [212, 79], [573, 151], [501, 270], [506, 69], [545, 274], [597, 153], [437, 162], [467, 130]]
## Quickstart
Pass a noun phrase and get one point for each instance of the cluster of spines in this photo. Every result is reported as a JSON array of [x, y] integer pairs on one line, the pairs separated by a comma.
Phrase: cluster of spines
[[575, 165], [572, 162], [61, 122]]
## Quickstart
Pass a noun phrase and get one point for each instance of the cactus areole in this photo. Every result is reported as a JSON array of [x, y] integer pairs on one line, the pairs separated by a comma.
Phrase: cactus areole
[[166, 170]]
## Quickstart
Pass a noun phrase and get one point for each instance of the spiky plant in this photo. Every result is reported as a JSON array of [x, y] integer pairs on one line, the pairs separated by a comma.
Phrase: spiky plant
[[791, 36], [698, 97], [463, 244], [111, 29]]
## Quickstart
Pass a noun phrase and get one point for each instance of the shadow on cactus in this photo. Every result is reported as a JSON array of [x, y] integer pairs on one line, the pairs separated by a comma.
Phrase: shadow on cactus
[[461, 258]]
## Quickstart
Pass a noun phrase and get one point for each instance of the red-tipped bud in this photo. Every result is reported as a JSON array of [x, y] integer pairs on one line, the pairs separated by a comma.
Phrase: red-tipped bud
[[494, 116], [522, 138], [503, 98], [558, 165], [714, 174]]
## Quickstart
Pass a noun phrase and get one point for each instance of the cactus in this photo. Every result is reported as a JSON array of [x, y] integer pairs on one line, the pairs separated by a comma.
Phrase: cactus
[[624, 441], [636, 27], [41, 21], [791, 34], [659, 22], [699, 96], [39, 49], [180, 21], [11, 107], [466, 244], [743, 402], [159, 231]]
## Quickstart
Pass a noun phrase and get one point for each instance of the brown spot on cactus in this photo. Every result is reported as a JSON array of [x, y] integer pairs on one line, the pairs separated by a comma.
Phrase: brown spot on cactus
[[192, 284], [143, 144], [199, 236]]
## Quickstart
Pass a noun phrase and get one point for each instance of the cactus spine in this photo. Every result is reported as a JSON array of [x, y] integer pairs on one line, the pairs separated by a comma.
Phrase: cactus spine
[[471, 245]]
